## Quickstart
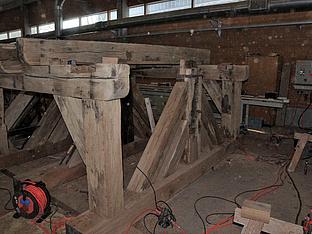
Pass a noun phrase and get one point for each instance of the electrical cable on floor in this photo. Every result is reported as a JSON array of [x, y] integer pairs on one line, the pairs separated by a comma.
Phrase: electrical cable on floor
[[211, 197], [165, 216], [298, 195], [302, 114], [10, 199], [217, 213]]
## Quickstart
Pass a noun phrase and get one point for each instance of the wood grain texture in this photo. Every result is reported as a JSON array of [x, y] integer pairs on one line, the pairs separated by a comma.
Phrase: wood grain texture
[[159, 139], [103, 156], [214, 91], [101, 89], [275, 226], [47, 125], [298, 152], [4, 144], [44, 52], [16, 108], [257, 211], [71, 110]]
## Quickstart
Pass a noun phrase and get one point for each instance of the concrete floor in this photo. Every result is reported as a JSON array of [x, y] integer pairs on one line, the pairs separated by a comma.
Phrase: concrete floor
[[253, 164]]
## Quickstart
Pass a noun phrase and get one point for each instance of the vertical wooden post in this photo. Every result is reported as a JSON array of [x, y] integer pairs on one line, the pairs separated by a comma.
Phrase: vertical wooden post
[[193, 110], [4, 146], [231, 106], [102, 131]]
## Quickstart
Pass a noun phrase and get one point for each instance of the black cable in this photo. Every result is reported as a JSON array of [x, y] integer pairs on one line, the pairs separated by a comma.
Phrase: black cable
[[218, 213], [298, 195], [300, 117], [9, 200], [144, 223], [267, 187], [150, 183], [212, 197], [166, 214]]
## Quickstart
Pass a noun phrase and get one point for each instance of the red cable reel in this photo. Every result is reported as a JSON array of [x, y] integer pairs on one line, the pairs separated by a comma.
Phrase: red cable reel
[[31, 200]]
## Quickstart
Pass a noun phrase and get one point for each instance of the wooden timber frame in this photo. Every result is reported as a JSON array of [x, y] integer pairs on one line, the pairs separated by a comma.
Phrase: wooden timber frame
[[87, 81]]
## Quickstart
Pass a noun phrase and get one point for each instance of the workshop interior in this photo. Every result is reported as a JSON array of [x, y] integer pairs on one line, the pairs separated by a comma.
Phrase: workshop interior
[[156, 116]]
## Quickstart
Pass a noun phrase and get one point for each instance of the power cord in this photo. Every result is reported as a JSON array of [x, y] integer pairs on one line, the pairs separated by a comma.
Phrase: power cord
[[164, 214], [302, 114], [10, 199]]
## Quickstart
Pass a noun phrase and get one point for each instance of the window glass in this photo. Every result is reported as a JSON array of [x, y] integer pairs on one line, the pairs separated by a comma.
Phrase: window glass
[[113, 15], [3, 36], [136, 10], [199, 3], [169, 5], [71, 23], [15, 33], [92, 19], [34, 30], [46, 28]]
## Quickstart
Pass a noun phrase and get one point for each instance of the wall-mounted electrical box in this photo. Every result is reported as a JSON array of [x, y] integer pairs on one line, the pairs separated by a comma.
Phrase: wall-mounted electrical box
[[303, 77]]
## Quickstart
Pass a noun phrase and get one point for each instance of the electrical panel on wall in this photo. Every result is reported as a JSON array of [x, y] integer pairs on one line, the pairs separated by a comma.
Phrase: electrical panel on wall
[[303, 76]]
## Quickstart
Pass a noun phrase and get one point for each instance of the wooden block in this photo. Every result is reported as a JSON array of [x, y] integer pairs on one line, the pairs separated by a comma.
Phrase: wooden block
[[298, 151], [257, 211], [275, 226], [253, 227]]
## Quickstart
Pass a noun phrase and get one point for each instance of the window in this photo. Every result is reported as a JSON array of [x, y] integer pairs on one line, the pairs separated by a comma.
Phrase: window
[[199, 3], [15, 33], [46, 28], [169, 5], [136, 10], [93, 19], [113, 15], [34, 30], [3, 36], [71, 23]]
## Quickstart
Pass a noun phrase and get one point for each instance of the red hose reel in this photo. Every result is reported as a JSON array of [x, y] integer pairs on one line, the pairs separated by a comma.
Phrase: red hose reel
[[31, 200]]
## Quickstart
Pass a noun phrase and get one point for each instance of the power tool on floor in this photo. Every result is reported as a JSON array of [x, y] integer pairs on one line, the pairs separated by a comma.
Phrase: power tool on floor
[[307, 223], [31, 200]]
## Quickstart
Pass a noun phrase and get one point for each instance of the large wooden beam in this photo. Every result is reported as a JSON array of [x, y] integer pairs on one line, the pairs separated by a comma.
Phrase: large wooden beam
[[71, 110], [4, 144], [85, 85], [214, 91], [45, 52], [16, 108], [33, 154], [47, 124], [103, 157], [135, 203], [153, 152]]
